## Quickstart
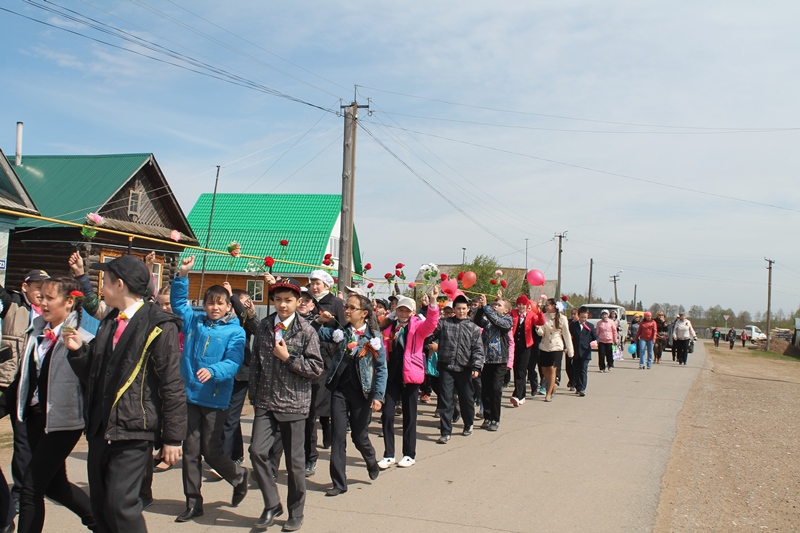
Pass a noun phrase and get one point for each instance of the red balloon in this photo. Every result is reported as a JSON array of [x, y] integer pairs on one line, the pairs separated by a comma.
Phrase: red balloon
[[535, 278], [449, 287], [469, 279]]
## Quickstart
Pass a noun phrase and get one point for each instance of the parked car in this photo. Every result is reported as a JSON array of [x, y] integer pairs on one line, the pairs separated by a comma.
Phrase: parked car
[[755, 334]]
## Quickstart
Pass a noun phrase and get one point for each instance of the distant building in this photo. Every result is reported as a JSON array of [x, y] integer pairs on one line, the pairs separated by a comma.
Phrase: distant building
[[129, 191], [13, 197], [259, 222]]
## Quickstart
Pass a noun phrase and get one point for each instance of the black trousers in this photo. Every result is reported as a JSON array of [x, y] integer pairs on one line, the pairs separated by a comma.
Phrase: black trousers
[[22, 449], [204, 441], [569, 369], [580, 373], [266, 429], [47, 476], [492, 378], [450, 383], [343, 400], [682, 350], [408, 395], [521, 361], [477, 390], [605, 355], [534, 371], [116, 470], [310, 432], [232, 442], [7, 512]]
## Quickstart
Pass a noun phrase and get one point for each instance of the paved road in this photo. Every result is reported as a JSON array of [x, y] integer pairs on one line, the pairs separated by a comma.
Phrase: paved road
[[575, 464]]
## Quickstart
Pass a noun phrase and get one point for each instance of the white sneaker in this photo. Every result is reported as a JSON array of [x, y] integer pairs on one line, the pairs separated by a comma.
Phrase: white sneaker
[[406, 461], [386, 462], [514, 402], [521, 401]]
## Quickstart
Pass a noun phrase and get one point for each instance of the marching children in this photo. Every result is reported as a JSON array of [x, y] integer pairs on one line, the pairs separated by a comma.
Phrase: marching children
[[583, 337], [496, 324], [212, 354], [130, 369], [525, 318], [406, 371], [555, 339], [286, 361], [357, 381]]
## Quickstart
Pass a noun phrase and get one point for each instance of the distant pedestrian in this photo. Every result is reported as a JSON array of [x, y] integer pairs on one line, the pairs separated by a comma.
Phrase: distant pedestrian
[[682, 334], [744, 338], [634, 328], [716, 335], [584, 337], [645, 339], [607, 337], [661, 338]]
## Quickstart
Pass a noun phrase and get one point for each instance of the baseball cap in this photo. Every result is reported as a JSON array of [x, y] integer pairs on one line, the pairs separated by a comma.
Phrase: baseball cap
[[604, 312], [355, 290], [286, 283], [408, 303], [131, 270], [460, 299], [36, 275]]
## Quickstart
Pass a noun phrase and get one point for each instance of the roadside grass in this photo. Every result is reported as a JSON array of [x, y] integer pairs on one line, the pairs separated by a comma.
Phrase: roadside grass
[[751, 351]]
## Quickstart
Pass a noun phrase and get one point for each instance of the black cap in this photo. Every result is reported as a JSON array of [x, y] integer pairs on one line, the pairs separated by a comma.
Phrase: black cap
[[286, 283], [36, 275], [131, 270], [460, 299]]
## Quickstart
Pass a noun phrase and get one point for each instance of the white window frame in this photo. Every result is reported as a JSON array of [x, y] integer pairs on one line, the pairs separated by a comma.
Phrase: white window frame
[[255, 287], [137, 202]]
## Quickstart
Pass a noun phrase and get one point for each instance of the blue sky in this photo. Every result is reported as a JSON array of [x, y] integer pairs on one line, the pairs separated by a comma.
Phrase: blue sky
[[608, 120]]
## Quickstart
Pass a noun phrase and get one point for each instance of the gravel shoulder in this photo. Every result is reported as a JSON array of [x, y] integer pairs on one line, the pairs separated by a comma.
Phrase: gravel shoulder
[[735, 462]]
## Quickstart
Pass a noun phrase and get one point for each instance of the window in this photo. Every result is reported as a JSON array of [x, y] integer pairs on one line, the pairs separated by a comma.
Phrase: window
[[133, 203], [333, 247], [256, 289], [156, 272]]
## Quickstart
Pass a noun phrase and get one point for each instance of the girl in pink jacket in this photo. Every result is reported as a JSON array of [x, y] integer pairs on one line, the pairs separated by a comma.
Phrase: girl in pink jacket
[[404, 334]]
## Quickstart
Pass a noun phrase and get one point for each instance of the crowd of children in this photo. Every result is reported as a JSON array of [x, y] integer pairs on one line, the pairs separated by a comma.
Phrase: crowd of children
[[161, 375]]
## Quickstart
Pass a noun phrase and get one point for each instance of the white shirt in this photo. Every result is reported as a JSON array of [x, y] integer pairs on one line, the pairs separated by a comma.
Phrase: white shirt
[[43, 344], [286, 324]]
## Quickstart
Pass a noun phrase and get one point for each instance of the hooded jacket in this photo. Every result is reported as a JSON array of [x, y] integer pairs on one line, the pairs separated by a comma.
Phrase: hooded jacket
[[413, 354], [217, 345], [143, 391], [495, 334]]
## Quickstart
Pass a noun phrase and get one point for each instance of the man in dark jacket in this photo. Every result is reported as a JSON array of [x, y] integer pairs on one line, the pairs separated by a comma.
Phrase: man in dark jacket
[[460, 361], [583, 334], [131, 373], [286, 360]]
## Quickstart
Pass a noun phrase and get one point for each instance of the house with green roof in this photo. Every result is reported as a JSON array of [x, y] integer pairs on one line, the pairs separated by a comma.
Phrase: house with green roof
[[129, 191], [14, 198], [309, 223]]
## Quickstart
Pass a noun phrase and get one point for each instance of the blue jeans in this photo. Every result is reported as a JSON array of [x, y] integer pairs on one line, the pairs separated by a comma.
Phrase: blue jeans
[[645, 350]]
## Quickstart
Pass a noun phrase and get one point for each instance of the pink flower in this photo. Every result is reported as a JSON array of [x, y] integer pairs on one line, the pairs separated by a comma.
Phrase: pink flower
[[94, 219], [498, 272], [411, 285], [175, 235]]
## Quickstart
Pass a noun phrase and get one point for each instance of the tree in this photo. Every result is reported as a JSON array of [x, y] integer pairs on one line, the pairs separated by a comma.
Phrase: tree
[[655, 307], [696, 312]]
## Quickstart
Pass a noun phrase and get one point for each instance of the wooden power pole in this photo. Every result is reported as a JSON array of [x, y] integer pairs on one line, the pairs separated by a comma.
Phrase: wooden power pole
[[589, 297], [560, 237], [348, 195], [769, 298]]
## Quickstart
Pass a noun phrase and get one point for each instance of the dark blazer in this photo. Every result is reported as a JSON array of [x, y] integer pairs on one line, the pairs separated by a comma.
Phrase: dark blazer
[[582, 338]]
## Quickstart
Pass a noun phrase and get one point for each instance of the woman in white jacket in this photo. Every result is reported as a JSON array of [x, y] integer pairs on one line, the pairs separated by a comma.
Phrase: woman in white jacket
[[682, 334], [555, 339]]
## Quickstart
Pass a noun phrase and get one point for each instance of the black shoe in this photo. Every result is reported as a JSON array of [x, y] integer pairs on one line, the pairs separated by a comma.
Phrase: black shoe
[[467, 431], [311, 468], [268, 517], [190, 513], [494, 426], [456, 418], [444, 439], [486, 424], [335, 491], [240, 490], [147, 503], [581, 394], [373, 472], [293, 524]]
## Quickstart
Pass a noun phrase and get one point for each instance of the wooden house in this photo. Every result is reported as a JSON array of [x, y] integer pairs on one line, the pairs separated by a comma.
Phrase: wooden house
[[13, 199], [129, 191]]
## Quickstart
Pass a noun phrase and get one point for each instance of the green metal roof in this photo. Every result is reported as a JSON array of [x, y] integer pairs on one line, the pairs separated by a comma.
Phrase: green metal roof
[[258, 222], [69, 186]]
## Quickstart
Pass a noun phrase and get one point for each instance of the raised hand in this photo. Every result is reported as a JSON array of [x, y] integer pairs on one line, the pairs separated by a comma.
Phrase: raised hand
[[228, 288], [186, 265], [425, 300], [149, 259], [76, 264]]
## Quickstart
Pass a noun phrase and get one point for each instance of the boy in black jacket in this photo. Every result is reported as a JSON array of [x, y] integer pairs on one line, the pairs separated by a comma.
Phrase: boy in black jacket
[[133, 383]]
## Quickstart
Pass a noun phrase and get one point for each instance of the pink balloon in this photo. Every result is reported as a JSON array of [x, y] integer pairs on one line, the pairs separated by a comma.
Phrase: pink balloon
[[535, 278], [469, 279], [411, 285], [449, 287]]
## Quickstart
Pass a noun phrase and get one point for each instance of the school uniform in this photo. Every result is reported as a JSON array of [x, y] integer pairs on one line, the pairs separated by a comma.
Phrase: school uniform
[[583, 334]]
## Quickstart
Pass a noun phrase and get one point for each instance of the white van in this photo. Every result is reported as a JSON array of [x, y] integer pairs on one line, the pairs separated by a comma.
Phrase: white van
[[594, 316], [755, 333]]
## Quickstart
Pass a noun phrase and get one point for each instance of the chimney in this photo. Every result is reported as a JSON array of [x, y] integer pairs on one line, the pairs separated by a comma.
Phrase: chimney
[[18, 159]]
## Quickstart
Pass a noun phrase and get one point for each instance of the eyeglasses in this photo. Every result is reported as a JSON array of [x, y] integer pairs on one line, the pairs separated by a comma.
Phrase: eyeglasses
[[351, 308]]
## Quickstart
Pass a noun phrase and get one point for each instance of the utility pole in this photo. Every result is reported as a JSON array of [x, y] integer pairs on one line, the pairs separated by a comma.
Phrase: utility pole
[[348, 194], [591, 265], [208, 237], [560, 237], [615, 279], [634, 296], [769, 298], [463, 256]]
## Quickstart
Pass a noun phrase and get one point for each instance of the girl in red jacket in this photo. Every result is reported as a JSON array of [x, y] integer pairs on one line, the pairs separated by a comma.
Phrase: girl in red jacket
[[526, 316]]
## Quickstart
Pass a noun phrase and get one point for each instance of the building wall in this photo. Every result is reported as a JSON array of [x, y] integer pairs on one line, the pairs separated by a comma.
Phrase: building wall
[[237, 281]]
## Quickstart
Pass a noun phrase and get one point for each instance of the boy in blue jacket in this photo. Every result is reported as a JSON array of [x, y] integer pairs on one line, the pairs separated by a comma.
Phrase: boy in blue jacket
[[213, 351]]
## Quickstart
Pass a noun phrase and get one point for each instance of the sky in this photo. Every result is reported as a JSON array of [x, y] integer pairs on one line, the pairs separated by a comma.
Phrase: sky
[[661, 137]]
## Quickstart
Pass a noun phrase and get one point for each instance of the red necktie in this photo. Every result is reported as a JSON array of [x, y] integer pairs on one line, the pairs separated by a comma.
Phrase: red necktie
[[50, 335], [122, 323], [280, 327]]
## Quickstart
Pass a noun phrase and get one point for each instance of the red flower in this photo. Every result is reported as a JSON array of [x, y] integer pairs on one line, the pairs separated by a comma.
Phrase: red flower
[[367, 266], [284, 242], [564, 298], [503, 283], [388, 275], [399, 266], [370, 285], [327, 262], [443, 276], [460, 276], [336, 280], [493, 282], [76, 294], [398, 273], [328, 256], [268, 262]]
